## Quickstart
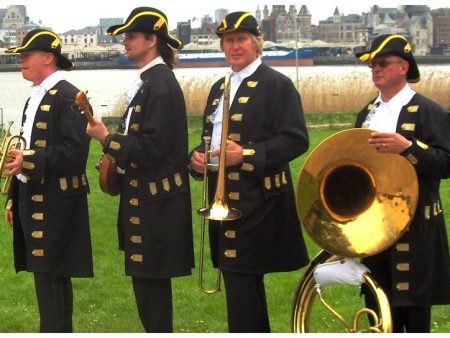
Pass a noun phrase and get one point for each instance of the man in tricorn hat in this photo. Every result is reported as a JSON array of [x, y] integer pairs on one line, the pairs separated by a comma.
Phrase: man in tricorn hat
[[150, 148], [47, 200], [266, 131], [415, 271]]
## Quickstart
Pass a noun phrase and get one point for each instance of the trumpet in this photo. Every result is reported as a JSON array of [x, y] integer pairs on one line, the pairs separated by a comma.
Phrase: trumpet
[[8, 142], [218, 209]]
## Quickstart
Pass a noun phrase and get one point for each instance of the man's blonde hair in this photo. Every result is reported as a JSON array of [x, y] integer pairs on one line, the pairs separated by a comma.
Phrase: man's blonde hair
[[258, 42]]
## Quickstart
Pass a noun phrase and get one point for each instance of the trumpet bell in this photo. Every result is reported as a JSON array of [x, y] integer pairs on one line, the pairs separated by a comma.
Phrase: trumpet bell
[[352, 200]]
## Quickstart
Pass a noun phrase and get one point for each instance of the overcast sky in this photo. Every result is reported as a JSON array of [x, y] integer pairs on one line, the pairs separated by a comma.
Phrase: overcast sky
[[62, 15]]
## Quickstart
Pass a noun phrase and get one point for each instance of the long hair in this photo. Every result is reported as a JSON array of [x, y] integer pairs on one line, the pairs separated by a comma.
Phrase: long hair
[[167, 53]]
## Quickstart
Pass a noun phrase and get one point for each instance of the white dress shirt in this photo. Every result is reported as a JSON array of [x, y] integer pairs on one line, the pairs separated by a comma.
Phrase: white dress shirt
[[37, 94], [216, 117], [136, 85], [384, 116]]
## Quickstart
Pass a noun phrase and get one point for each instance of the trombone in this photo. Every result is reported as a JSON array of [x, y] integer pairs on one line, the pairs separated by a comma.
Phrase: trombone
[[218, 209]]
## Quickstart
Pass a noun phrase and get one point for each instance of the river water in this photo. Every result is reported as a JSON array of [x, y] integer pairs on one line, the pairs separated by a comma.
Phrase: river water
[[105, 87]]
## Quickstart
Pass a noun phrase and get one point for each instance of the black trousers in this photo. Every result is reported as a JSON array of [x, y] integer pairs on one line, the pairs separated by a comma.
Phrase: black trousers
[[54, 293], [411, 319], [55, 301], [246, 303], [154, 303]]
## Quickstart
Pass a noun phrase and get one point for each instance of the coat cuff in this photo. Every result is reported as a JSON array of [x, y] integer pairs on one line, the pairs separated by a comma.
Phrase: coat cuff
[[33, 166]]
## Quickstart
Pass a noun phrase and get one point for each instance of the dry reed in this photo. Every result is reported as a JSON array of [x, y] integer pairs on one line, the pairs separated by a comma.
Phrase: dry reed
[[327, 92], [331, 93]]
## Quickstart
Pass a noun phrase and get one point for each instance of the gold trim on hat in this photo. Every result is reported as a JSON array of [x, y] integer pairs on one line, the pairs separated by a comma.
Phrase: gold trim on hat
[[370, 56], [55, 43], [162, 21]]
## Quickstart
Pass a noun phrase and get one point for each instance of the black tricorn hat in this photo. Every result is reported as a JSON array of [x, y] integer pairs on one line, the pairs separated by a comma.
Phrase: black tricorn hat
[[44, 40], [147, 20], [239, 21], [392, 44]]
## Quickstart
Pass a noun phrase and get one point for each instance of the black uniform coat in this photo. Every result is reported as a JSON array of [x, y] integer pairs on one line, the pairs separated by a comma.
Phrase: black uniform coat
[[55, 238], [155, 221], [266, 118], [416, 269]]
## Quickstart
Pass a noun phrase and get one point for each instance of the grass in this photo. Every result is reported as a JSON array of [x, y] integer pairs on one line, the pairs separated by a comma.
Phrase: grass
[[106, 303]]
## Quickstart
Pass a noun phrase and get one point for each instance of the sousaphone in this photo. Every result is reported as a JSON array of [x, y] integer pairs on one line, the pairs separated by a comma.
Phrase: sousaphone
[[353, 201]]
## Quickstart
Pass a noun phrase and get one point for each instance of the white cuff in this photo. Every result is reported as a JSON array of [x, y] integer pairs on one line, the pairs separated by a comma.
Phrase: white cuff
[[344, 271]]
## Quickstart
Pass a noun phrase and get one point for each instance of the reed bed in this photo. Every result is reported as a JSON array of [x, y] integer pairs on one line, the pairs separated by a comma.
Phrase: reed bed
[[331, 92]]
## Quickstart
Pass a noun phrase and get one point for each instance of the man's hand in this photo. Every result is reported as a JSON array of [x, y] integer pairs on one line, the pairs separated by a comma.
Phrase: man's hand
[[15, 166], [234, 153], [9, 217], [389, 142], [98, 131], [197, 162]]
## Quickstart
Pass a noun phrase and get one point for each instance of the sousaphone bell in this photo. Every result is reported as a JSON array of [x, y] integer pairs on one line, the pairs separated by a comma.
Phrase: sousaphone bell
[[353, 201]]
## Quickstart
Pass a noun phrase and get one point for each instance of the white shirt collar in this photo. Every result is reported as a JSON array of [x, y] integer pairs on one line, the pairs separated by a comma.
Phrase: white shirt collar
[[156, 61], [249, 70], [398, 100], [51, 80]]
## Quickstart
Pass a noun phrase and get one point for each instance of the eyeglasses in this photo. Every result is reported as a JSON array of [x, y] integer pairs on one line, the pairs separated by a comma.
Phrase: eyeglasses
[[381, 63]]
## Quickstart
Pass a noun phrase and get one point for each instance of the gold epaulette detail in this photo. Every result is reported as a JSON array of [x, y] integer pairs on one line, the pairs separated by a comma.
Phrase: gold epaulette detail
[[248, 152], [135, 220], [230, 234], [402, 266], [412, 109], [38, 216], [230, 253], [136, 239], [408, 126], [236, 117], [37, 198], [63, 183], [404, 247], [40, 143], [28, 165], [38, 252], [233, 176], [41, 125], [115, 145], [137, 258], [402, 286], [422, 145], [248, 167], [37, 234]]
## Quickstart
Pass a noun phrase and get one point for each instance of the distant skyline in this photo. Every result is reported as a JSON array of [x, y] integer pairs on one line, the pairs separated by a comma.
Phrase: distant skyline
[[64, 16]]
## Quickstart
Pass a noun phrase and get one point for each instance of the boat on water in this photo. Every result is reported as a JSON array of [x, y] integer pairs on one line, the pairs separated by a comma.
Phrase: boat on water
[[216, 58]]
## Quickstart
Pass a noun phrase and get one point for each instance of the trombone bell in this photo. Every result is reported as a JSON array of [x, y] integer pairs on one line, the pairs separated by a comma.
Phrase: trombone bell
[[219, 211]]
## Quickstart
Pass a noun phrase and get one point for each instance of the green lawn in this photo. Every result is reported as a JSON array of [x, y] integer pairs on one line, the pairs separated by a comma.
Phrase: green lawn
[[106, 303]]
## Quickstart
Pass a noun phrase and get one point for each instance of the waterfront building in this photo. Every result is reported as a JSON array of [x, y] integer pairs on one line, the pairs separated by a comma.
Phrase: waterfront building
[[441, 30]]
